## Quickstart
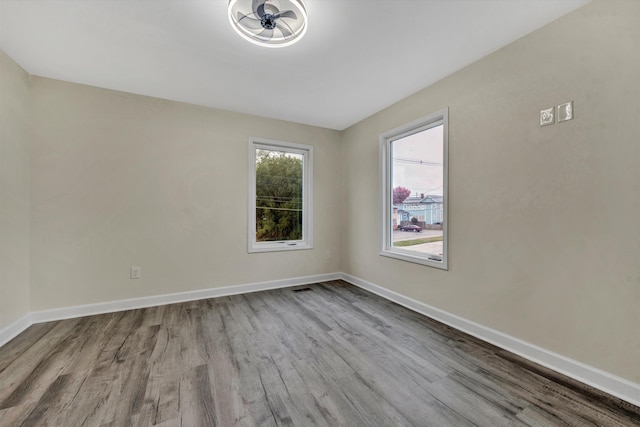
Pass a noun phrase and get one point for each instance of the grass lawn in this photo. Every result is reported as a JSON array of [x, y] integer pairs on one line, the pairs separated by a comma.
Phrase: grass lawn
[[418, 241]]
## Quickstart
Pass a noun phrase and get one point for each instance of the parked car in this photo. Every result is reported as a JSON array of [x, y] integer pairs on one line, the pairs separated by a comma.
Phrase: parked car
[[411, 227]]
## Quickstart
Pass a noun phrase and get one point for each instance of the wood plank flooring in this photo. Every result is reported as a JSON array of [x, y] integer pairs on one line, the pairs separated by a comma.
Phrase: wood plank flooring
[[329, 355]]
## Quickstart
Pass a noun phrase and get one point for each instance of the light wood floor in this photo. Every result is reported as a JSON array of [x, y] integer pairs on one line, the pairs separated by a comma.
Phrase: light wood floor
[[330, 355]]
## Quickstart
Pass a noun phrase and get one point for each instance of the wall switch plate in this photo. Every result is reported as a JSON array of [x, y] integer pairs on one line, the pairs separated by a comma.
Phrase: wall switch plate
[[565, 112], [135, 272], [547, 117]]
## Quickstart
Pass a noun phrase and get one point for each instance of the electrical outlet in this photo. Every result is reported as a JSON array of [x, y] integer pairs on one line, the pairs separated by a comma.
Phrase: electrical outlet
[[135, 272], [327, 255]]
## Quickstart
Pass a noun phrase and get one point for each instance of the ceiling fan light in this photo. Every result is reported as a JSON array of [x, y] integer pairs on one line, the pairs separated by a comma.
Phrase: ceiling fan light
[[268, 23]]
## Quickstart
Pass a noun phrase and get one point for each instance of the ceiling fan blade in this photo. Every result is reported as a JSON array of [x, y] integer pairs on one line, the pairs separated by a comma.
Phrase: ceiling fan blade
[[286, 14], [266, 34], [271, 9], [285, 28], [249, 22], [258, 7], [286, 32]]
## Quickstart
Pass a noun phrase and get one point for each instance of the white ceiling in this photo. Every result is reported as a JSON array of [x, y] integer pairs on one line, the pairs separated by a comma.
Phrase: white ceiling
[[358, 56]]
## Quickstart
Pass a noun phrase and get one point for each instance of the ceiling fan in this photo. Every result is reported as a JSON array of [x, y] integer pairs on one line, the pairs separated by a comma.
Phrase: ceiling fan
[[270, 23]]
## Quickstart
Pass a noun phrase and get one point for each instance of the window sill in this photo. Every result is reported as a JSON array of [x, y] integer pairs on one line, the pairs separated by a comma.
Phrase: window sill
[[409, 257], [279, 247]]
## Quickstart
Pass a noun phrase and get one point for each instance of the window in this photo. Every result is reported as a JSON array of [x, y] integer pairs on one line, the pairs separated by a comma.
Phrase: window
[[414, 191], [280, 196]]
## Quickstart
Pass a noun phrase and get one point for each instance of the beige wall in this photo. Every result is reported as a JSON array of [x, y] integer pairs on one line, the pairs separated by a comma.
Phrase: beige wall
[[121, 180], [544, 222], [14, 191]]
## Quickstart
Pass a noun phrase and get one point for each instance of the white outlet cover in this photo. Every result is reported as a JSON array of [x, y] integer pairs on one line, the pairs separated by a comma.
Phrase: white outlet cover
[[565, 112], [547, 117]]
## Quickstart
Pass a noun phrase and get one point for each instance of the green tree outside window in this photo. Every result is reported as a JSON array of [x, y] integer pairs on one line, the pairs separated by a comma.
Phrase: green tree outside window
[[279, 196]]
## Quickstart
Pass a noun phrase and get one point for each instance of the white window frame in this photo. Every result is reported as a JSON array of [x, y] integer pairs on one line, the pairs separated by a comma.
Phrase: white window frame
[[307, 196], [386, 164]]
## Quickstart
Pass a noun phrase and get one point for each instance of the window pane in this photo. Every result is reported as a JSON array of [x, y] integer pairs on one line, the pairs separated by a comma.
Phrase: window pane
[[418, 187], [279, 195], [413, 160]]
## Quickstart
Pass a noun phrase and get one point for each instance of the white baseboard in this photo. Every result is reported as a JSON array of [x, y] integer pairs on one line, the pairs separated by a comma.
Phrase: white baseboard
[[14, 329], [150, 301], [601, 380], [11, 331]]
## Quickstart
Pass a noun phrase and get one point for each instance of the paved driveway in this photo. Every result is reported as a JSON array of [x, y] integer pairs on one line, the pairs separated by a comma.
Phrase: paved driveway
[[410, 235], [430, 248]]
